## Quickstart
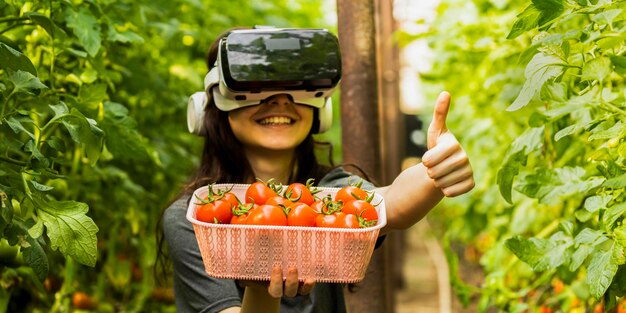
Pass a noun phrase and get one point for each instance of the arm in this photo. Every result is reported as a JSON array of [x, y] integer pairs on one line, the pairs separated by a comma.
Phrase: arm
[[445, 171]]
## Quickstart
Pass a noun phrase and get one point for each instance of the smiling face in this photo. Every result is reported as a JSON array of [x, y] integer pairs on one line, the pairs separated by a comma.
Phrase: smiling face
[[277, 124]]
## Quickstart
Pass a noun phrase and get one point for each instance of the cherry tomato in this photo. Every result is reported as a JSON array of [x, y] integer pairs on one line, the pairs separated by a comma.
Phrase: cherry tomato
[[298, 192], [300, 214], [349, 193], [279, 200], [241, 212], [327, 220], [83, 301], [259, 193], [267, 215], [348, 220], [326, 205], [362, 209], [231, 198], [219, 212]]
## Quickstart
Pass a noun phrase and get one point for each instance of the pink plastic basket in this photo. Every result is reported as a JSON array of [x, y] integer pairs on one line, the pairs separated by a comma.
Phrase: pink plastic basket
[[337, 255]]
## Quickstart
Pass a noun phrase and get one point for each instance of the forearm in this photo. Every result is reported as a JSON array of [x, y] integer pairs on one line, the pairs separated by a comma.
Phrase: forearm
[[409, 198], [257, 299]]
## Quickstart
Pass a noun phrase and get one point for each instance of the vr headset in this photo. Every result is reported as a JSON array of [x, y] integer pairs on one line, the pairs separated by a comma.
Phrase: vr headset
[[255, 64]]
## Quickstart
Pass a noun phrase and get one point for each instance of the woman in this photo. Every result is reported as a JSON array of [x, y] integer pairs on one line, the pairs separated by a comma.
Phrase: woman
[[273, 139]]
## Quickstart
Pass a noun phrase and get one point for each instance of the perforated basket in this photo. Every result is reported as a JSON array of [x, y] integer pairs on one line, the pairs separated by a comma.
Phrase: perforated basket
[[338, 255]]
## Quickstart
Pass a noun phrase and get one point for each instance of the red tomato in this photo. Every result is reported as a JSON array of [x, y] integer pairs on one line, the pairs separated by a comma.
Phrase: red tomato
[[362, 209], [348, 220], [267, 215], [279, 200], [621, 306], [327, 220], [218, 212], [259, 193], [298, 192], [326, 205], [337, 220], [349, 193], [231, 198], [301, 214], [241, 212]]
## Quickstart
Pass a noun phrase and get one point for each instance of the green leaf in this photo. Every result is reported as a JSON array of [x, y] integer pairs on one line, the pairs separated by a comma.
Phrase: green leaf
[[70, 230], [619, 64], [13, 60], [515, 157], [92, 95], [597, 69], [17, 127], [123, 140], [34, 255], [6, 209], [585, 242], [36, 230], [25, 82], [602, 268], [526, 21], [606, 17], [85, 131], [550, 185], [125, 36], [609, 133], [541, 254], [86, 28], [43, 21], [616, 182], [539, 70], [40, 187], [595, 203], [612, 214], [550, 9]]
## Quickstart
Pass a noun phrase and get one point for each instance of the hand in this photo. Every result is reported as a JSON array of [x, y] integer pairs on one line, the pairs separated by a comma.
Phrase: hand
[[277, 287], [446, 162]]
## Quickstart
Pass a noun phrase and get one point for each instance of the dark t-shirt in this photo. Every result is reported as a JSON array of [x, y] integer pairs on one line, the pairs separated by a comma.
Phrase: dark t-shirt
[[197, 292]]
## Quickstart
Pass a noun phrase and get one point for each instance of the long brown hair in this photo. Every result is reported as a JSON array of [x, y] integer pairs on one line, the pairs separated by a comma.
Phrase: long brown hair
[[223, 162]]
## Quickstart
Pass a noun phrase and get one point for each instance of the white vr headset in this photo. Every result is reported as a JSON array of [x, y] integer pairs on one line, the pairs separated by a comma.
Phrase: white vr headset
[[255, 64]]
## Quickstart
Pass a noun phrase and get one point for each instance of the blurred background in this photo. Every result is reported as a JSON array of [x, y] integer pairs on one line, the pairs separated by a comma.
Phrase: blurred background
[[94, 145]]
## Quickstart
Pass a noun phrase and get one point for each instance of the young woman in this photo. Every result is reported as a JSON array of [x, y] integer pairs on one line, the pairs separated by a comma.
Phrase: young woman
[[274, 140]]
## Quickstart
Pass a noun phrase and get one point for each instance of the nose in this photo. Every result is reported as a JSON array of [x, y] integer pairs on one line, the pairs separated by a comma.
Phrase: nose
[[281, 99]]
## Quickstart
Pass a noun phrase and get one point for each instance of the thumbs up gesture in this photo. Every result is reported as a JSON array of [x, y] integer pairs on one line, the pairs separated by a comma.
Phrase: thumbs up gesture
[[446, 162]]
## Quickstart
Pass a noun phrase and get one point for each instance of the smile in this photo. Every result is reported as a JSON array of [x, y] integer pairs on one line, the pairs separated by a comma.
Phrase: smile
[[276, 120]]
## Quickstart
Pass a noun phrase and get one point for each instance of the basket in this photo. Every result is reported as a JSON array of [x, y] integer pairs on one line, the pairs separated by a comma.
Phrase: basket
[[248, 252]]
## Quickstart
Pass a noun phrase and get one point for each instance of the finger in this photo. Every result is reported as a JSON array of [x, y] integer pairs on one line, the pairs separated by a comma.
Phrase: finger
[[438, 124], [291, 283], [446, 146], [455, 177], [306, 287], [452, 163], [275, 288], [459, 189]]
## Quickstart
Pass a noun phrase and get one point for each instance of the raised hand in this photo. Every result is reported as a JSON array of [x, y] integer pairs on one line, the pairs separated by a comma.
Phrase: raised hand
[[446, 162]]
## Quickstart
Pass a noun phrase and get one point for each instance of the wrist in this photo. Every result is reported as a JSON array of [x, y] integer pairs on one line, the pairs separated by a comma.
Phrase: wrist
[[257, 298]]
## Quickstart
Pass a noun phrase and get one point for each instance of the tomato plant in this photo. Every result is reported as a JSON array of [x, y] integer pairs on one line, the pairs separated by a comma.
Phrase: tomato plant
[[547, 110], [92, 138]]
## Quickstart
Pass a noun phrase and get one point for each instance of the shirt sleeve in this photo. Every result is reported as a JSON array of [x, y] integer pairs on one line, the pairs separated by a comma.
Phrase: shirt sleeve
[[195, 291]]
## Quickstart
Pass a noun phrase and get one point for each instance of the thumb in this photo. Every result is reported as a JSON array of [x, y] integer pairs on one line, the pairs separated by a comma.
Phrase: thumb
[[438, 124]]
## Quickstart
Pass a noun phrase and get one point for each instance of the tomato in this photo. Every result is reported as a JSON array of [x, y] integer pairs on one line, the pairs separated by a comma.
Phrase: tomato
[[349, 193], [327, 220], [337, 220], [300, 214], [326, 205], [348, 220], [546, 309], [219, 212], [241, 219], [259, 193], [621, 306], [267, 215], [241, 212], [279, 201], [362, 209], [83, 301], [298, 192], [230, 198]]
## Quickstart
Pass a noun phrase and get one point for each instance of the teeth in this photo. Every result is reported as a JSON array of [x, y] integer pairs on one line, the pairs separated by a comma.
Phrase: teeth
[[275, 120]]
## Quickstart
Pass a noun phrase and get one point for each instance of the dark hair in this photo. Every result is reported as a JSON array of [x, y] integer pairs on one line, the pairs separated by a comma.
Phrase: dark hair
[[223, 162]]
